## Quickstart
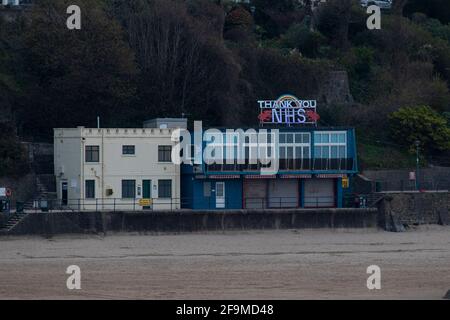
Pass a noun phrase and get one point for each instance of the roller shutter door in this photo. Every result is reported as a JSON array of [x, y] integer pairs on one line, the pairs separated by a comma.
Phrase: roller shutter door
[[255, 193], [283, 193], [319, 193]]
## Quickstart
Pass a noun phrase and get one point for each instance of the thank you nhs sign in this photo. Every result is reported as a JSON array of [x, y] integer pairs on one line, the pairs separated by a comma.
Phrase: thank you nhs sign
[[288, 110]]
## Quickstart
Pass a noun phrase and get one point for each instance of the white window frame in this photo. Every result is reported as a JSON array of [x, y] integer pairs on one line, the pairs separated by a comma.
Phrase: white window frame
[[294, 145], [330, 144]]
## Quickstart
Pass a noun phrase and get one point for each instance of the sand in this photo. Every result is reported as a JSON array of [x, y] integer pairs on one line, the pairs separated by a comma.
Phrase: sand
[[278, 264]]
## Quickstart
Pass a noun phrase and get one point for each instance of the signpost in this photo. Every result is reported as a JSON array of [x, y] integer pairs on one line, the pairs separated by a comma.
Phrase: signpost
[[288, 110], [145, 202], [345, 183], [5, 192]]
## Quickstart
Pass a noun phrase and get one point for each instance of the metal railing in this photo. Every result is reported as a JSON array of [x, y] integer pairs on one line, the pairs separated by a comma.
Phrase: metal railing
[[205, 203], [410, 185], [109, 204], [345, 164]]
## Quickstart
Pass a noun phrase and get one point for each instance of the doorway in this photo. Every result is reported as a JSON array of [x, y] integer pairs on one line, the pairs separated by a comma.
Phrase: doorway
[[64, 194], [220, 195], [147, 191]]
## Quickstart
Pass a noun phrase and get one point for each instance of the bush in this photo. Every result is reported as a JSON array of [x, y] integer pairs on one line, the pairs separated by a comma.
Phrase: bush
[[300, 37], [421, 123], [13, 161]]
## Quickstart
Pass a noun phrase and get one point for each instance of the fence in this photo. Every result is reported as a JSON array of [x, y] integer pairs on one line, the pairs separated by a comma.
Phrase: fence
[[409, 185], [289, 164], [109, 204], [172, 204]]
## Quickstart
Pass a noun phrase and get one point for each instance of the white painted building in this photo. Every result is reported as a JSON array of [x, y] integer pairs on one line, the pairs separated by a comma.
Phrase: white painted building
[[121, 169], [10, 2]]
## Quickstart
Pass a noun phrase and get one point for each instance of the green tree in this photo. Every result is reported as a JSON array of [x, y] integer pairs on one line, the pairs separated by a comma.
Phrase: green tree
[[421, 123], [299, 36]]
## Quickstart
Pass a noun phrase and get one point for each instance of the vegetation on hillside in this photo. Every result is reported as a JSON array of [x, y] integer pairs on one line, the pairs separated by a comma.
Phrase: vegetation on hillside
[[211, 60]]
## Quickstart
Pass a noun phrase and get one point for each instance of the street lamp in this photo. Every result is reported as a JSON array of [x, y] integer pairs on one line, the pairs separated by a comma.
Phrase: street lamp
[[417, 144]]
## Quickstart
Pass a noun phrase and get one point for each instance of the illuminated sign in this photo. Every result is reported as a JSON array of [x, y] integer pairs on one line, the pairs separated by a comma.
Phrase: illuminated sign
[[288, 110]]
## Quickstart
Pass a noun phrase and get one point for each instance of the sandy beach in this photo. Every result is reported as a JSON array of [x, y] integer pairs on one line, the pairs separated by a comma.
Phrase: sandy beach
[[278, 264]]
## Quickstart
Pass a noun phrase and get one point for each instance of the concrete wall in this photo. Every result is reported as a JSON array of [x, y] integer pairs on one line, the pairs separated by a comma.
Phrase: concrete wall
[[40, 156], [189, 221], [3, 219], [399, 209], [23, 188]]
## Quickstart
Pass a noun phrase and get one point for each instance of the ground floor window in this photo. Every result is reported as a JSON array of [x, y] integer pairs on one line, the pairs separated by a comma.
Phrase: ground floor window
[[207, 189], [164, 188], [90, 189], [128, 189]]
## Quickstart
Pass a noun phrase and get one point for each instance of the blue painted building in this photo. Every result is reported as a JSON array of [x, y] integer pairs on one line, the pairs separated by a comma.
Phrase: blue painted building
[[315, 168]]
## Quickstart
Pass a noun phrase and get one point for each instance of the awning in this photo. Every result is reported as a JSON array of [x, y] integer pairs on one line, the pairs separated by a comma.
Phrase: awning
[[257, 176], [331, 176], [296, 176], [224, 176]]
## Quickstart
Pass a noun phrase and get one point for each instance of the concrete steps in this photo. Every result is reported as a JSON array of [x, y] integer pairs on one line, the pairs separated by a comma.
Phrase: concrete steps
[[43, 193], [12, 222]]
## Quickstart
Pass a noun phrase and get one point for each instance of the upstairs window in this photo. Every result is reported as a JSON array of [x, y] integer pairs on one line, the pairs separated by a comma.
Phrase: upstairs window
[[295, 145], [128, 150], [330, 145], [164, 153], [92, 154]]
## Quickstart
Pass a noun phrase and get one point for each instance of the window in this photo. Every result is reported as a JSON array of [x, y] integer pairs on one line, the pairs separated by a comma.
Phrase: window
[[90, 189], [128, 150], [92, 153], [294, 145], [330, 145], [164, 188], [164, 153], [207, 189], [294, 150], [128, 189]]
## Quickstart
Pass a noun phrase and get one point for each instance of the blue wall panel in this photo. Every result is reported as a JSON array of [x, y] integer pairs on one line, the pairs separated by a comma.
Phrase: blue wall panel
[[233, 193]]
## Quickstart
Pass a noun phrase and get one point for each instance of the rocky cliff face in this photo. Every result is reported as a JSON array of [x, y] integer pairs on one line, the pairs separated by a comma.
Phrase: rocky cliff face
[[336, 89]]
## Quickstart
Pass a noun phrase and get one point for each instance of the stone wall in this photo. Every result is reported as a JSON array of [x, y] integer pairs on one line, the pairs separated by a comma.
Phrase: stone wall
[[335, 90], [400, 209], [40, 156]]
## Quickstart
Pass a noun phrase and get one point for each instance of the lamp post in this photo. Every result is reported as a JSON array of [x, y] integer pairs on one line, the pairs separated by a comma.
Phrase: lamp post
[[417, 143]]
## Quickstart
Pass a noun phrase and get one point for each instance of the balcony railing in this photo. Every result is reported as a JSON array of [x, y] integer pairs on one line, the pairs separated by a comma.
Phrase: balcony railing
[[343, 164]]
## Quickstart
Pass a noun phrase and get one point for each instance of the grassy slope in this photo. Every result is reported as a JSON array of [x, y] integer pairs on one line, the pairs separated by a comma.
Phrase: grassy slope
[[377, 156]]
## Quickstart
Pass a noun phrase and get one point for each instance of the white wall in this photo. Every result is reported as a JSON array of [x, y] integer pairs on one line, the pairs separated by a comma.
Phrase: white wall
[[113, 167], [67, 160]]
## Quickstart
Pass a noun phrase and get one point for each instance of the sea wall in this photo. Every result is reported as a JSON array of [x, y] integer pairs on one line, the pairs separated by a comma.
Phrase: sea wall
[[400, 209], [50, 223]]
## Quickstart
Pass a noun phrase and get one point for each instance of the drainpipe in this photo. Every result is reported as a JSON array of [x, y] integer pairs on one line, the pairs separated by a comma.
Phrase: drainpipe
[[103, 168], [82, 167]]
